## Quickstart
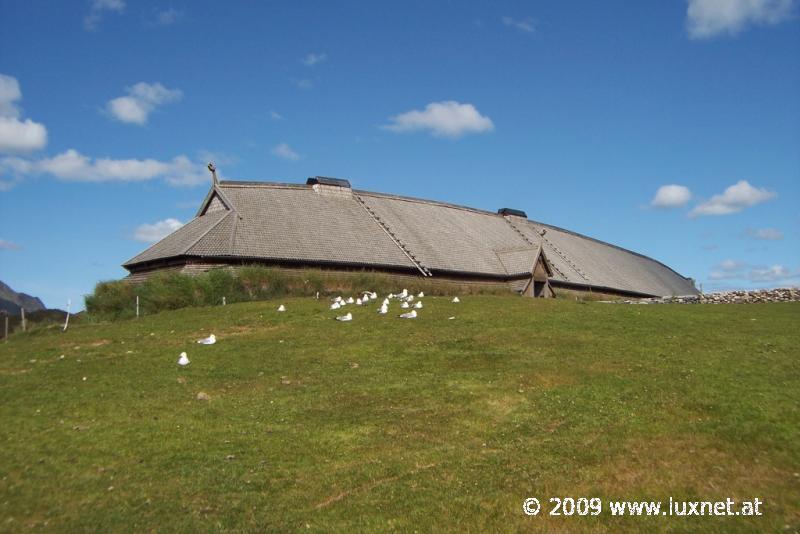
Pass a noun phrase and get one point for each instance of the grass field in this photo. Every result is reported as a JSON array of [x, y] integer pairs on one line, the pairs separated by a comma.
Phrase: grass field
[[382, 423]]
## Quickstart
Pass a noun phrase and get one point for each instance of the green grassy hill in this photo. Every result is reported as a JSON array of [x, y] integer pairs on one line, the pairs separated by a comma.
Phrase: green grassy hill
[[382, 423]]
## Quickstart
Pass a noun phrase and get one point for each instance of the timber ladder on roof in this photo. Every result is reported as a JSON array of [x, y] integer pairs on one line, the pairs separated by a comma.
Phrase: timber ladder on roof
[[420, 267], [566, 259], [555, 249]]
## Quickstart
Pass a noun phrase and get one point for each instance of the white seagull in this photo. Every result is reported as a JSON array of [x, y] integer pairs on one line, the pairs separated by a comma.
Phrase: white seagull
[[404, 293], [456, 300], [373, 296], [391, 295], [418, 305], [350, 300], [335, 306], [210, 340], [404, 305], [410, 315], [358, 302], [385, 302], [410, 298], [281, 308], [348, 317], [384, 309], [183, 361], [421, 294]]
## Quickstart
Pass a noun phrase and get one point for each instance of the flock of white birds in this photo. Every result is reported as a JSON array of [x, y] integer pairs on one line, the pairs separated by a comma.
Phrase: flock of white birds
[[406, 299]]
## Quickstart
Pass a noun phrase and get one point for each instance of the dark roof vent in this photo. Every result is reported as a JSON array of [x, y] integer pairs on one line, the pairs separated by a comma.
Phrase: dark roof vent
[[512, 211], [324, 180]]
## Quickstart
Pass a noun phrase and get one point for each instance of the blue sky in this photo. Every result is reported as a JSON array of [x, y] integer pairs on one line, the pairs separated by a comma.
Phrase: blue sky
[[578, 113]]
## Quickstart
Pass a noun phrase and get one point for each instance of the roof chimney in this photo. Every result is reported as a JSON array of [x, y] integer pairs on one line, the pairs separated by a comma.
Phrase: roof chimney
[[331, 187], [327, 180], [512, 211], [213, 169]]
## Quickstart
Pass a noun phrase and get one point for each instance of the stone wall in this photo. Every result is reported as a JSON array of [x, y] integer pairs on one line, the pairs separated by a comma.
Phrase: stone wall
[[727, 297]]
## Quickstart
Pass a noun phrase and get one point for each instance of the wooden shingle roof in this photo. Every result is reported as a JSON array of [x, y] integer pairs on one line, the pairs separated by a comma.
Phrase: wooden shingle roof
[[322, 223]]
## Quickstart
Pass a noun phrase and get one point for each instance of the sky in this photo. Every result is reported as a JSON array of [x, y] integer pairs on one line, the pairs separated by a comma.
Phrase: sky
[[669, 128]]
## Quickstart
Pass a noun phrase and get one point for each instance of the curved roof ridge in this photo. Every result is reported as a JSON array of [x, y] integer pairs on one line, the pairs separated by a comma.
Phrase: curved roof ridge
[[583, 236], [426, 201], [265, 185], [405, 198]]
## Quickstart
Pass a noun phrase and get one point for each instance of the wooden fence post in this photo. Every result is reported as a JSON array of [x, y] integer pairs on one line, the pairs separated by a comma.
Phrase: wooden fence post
[[24, 325], [66, 321], [137, 306]]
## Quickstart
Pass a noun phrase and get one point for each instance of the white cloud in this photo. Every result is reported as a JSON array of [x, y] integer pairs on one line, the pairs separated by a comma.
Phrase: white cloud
[[10, 93], [728, 270], [444, 119], [150, 233], [671, 196], [709, 18], [731, 265], [284, 151], [72, 166], [739, 270], [719, 275], [17, 136], [21, 136], [110, 5], [167, 17], [96, 10], [722, 275], [765, 234], [733, 200], [274, 115], [304, 83], [775, 273], [142, 99], [312, 59], [8, 245], [527, 24]]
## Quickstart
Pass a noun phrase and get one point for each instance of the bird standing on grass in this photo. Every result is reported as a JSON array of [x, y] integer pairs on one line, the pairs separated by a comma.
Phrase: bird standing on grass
[[418, 305], [183, 361], [384, 309], [456, 300], [281, 308], [404, 305]]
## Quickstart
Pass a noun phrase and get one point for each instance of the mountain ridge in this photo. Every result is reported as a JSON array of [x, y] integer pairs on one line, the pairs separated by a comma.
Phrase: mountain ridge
[[12, 301]]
